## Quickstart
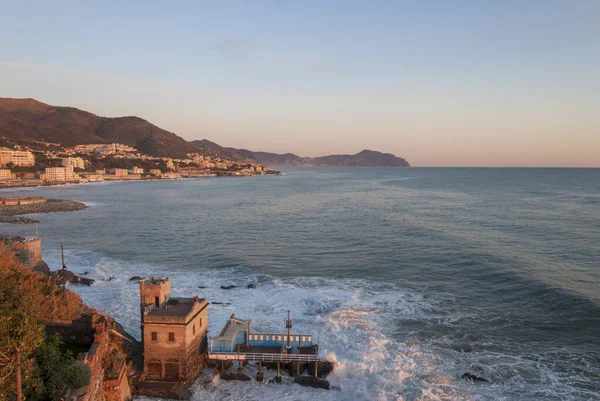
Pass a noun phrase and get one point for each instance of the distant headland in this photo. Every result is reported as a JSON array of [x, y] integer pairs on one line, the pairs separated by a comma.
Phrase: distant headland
[[39, 127]]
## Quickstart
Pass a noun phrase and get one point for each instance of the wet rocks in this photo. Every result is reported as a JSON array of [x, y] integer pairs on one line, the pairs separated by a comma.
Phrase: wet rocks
[[50, 206], [228, 287], [136, 278], [18, 220], [323, 368], [235, 376], [251, 285], [221, 303], [311, 381], [471, 377], [111, 278], [65, 276]]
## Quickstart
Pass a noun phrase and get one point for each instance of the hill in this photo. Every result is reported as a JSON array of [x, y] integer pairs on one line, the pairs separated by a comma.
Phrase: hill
[[23, 121]]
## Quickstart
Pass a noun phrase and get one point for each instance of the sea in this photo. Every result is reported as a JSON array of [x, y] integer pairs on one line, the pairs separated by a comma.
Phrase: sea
[[407, 278]]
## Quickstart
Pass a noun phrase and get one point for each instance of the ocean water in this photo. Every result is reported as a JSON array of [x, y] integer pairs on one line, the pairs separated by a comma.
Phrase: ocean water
[[408, 278]]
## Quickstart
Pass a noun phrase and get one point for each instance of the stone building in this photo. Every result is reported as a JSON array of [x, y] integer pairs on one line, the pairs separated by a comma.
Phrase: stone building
[[174, 332], [27, 250]]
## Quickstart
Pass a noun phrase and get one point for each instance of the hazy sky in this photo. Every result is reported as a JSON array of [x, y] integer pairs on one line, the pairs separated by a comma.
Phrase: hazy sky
[[441, 83]]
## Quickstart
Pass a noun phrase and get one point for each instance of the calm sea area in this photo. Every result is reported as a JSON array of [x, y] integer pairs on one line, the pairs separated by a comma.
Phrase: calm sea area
[[407, 277]]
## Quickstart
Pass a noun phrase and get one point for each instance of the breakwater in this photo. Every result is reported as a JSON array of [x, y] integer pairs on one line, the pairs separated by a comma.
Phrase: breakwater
[[50, 206]]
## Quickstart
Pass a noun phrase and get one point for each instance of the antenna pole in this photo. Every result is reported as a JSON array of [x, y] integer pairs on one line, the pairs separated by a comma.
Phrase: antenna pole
[[288, 326], [62, 253]]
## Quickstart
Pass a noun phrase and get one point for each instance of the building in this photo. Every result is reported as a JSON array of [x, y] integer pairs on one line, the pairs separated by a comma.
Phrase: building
[[121, 173], [16, 157], [27, 250], [76, 162], [174, 332], [60, 174], [156, 172], [5, 174], [137, 170]]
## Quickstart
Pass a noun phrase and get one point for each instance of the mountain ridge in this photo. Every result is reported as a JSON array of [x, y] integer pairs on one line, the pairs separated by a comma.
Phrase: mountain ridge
[[29, 120]]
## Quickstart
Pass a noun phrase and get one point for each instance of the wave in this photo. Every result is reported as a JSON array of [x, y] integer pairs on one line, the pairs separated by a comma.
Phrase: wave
[[364, 326]]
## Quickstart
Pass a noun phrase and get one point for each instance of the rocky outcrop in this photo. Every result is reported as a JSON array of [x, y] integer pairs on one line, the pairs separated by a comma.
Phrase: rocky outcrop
[[50, 206], [17, 220], [64, 276], [311, 381], [471, 377]]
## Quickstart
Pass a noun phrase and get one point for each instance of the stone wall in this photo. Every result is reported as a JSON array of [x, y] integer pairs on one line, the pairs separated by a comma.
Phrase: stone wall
[[20, 201], [27, 250]]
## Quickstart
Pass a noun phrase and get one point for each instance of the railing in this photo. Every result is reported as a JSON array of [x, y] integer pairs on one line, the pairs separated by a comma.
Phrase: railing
[[230, 356]]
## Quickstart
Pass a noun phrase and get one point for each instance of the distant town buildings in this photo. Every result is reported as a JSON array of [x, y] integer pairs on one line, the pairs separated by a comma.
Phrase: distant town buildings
[[60, 174], [137, 170], [16, 157], [155, 172], [104, 149], [76, 162], [121, 173], [5, 174]]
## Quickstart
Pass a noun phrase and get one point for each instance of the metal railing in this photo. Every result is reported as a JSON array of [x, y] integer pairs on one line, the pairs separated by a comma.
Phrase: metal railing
[[230, 356]]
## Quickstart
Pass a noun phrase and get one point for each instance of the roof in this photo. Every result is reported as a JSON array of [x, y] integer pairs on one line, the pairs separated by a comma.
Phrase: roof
[[232, 326], [180, 308]]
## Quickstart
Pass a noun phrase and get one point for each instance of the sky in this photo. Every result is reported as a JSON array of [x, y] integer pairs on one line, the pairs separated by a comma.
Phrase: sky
[[439, 82]]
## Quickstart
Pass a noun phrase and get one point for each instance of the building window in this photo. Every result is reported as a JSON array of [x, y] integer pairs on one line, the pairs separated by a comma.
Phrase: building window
[[278, 338], [303, 339], [172, 337], [297, 338], [154, 336], [261, 338]]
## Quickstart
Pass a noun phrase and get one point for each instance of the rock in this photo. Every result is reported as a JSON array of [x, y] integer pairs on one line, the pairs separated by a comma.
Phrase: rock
[[202, 287], [65, 276], [251, 285], [41, 267], [473, 378], [233, 376], [18, 220], [228, 287], [110, 278], [277, 379], [221, 303], [311, 381], [271, 381], [85, 273], [260, 377], [324, 368], [136, 278]]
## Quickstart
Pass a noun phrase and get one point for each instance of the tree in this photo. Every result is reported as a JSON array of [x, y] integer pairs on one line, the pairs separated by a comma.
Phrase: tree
[[20, 335]]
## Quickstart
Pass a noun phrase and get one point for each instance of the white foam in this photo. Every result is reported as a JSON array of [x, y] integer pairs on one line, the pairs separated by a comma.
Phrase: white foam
[[352, 320]]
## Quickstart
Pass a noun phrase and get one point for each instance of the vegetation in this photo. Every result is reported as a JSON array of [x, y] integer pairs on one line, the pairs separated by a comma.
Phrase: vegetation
[[47, 368]]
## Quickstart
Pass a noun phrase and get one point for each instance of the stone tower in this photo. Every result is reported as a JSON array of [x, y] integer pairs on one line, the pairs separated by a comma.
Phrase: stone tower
[[154, 292]]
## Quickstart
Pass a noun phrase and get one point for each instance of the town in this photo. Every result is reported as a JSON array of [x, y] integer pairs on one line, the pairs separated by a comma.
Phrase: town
[[51, 164]]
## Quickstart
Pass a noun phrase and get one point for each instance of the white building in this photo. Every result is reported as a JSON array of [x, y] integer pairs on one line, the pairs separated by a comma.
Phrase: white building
[[137, 170], [60, 174], [121, 173], [16, 157], [76, 162], [5, 174]]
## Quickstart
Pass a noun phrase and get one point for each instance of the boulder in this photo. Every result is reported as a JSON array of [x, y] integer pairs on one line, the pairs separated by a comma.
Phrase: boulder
[[251, 285], [136, 278], [228, 287], [471, 377], [111, 278], [311, 381]]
